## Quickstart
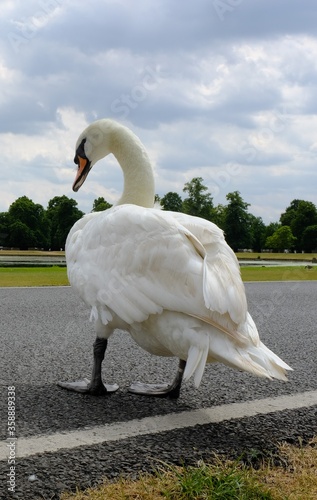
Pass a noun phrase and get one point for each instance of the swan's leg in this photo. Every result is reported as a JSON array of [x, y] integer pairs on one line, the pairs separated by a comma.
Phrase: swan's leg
[[95, 387], [161, 390]]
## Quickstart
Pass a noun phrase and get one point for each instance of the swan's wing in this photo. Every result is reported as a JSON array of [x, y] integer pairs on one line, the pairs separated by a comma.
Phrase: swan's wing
[[136, 262], [223, 277]]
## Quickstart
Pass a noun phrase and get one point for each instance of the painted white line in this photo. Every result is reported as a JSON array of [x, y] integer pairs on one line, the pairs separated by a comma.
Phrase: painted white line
[[28, 446]]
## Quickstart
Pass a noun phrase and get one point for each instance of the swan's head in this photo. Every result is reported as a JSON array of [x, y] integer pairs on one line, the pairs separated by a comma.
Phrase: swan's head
[[107, 136], [92, 145]]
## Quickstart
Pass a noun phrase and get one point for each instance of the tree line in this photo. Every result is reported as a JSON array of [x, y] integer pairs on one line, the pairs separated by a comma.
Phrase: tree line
[[29, 225]]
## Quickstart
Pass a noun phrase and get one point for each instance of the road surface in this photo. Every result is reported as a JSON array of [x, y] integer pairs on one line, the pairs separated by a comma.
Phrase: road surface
[[69, 440]]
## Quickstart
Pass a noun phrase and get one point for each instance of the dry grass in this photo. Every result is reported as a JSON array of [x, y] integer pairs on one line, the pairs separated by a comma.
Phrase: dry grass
[[223, 481], [296, 481]]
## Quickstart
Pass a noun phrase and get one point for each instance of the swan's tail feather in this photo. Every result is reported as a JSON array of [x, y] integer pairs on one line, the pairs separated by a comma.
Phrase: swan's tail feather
[[217, 346], [201, 367], [196, 362], [194, 356], [261, 361], [255, 359], [273, 365]]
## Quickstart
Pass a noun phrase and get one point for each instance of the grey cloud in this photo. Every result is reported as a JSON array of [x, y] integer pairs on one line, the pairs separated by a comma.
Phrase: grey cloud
[[206, 69]]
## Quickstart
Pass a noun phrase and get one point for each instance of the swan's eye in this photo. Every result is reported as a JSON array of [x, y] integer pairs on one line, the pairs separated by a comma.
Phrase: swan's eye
[[80, 152]]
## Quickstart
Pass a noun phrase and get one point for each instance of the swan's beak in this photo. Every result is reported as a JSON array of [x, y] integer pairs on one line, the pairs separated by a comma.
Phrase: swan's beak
[[84, 165]]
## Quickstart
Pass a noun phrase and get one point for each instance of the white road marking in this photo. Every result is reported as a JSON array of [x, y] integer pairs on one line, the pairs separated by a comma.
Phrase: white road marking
[[28, 446]]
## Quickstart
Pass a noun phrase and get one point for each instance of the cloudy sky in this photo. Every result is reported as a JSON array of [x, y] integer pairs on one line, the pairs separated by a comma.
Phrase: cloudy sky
[[221, 89]]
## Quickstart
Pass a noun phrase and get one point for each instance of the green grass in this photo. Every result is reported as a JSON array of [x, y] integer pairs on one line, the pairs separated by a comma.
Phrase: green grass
[[276, 273], [39, 253], [33, 276], [276, 256], [220, 480], [57, 276], [223, 481]]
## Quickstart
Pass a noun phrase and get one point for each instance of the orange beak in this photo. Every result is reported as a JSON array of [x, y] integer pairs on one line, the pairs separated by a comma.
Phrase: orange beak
[[82, 172]]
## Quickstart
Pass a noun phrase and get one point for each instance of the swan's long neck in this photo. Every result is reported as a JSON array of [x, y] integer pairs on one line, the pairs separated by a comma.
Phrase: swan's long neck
[[137, 170]]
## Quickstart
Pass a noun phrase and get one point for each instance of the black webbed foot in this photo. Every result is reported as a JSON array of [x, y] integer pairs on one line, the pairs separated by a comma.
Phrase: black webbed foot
[[161, 390], [86, 387], [95, 387]]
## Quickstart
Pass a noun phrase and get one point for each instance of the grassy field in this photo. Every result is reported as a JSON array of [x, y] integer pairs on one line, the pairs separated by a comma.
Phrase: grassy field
[[53, 276], [240, 255], [276, 256], [38, 253], [33, 276], [50, 276], [278, 273]]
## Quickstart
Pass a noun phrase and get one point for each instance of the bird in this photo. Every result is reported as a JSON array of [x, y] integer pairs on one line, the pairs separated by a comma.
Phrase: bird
[[168, 279]]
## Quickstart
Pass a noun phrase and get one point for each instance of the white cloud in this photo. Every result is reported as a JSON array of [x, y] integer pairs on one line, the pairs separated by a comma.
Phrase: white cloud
[[230, 97]]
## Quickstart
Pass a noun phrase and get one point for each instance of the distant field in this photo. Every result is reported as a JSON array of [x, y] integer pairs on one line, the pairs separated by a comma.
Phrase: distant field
[[33, 276], [57, 276], [24, 253], [240, 255], [53, 276], [283, 273], [276, 256]]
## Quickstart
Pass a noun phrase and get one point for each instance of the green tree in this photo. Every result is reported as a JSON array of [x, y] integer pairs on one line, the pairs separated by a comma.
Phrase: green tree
[[198, 202], [27, 219], [4, 229], [172, 201], [219, 215], [62, 213], [258, 233], [298, 216], [237, 222], [282, 239], [100, 204], [290, 213], [309, 239], [21, 236], [271, 228]]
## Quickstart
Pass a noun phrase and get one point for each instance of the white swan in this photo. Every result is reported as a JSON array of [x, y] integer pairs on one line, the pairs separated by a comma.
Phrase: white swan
[[167, 278]]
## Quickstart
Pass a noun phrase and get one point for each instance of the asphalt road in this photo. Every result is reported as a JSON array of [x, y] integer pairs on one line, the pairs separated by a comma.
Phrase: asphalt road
[[46, 337]]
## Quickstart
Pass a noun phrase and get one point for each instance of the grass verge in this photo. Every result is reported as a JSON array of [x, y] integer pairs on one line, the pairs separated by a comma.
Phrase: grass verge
[[279, 273], [240, 255], [276, 256], [53, 276], [224, 480], [33, 276], [38, 253]]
